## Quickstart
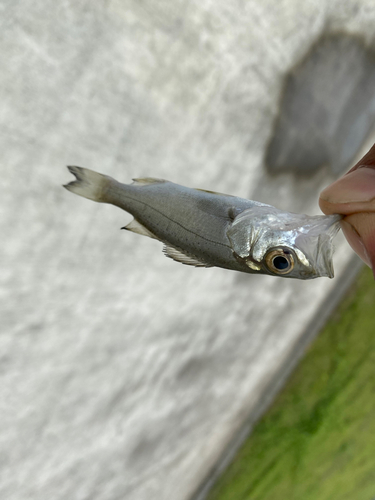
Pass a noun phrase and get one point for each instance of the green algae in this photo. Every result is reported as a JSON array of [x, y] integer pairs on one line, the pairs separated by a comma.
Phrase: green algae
[[317, 441]]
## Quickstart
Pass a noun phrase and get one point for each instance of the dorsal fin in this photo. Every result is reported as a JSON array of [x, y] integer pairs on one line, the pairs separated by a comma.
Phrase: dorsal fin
[[137, 227], [180, 256], [211, 192], [146, 181]]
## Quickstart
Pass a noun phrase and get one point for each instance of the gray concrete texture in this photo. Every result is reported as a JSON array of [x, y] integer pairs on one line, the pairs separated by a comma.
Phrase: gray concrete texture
[[125, 375]]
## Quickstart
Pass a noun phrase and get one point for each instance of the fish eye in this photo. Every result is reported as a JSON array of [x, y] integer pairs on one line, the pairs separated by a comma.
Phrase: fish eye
[[280, 261]]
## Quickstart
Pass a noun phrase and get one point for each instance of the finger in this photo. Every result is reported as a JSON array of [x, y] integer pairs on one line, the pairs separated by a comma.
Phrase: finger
[[352, 193], [359, 230]]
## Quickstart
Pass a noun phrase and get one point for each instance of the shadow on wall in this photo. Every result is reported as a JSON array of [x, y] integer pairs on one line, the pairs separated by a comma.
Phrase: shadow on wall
[[327, 108]]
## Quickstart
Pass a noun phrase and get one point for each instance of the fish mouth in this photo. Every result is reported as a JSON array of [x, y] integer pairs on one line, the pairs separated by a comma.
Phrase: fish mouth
[[317, 244]]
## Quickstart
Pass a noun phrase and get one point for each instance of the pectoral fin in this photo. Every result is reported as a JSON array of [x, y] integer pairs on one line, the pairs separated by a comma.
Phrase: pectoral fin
[[137, 227], [180, 256]]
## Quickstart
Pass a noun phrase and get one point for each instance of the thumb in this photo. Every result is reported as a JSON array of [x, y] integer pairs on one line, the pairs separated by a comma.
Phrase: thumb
[[353, 196], [352, 193]]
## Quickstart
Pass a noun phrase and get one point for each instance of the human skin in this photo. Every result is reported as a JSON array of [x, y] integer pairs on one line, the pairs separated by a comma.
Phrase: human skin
[[353, 196]]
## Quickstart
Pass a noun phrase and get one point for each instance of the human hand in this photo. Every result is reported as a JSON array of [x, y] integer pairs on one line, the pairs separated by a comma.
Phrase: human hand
[[353, 196]]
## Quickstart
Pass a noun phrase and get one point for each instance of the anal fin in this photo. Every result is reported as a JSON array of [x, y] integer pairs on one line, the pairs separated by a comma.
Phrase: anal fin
[[180, 256], [137, 227]]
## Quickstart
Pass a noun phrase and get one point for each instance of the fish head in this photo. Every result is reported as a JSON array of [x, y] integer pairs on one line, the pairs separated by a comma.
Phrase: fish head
[[270, 241]]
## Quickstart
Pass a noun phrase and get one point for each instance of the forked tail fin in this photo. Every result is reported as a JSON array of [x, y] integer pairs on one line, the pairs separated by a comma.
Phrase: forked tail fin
[[88, 184]]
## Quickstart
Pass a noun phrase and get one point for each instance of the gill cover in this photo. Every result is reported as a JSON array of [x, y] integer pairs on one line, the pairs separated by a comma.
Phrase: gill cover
[[262, 233]]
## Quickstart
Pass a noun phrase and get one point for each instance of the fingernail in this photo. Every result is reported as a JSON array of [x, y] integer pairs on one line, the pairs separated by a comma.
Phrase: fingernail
[[355, 187], [355, 241]]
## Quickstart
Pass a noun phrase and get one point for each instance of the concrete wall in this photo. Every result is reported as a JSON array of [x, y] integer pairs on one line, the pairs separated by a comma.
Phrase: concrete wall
[[125, 375]]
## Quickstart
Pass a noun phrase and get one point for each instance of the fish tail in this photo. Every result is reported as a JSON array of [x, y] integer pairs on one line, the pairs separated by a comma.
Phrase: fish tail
[[89, 184]]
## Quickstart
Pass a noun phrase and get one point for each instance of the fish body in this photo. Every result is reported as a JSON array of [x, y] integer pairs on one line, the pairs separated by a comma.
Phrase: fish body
[[205, 229]]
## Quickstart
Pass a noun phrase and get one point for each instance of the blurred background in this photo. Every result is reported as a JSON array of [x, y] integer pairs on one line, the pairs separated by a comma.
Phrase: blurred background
[[125, 375]]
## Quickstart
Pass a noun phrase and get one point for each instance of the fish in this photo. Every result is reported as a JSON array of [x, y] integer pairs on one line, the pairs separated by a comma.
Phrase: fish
[[208, 229]]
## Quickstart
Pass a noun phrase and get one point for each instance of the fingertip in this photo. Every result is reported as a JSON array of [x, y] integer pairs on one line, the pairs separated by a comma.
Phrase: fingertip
[[352, 193], [326, 207]]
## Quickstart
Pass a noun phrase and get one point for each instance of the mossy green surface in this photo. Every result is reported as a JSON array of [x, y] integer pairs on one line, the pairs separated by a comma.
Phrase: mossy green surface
[[317, 442]]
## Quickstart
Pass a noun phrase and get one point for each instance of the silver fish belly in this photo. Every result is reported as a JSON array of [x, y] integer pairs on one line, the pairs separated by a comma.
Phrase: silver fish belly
[[204, 229]]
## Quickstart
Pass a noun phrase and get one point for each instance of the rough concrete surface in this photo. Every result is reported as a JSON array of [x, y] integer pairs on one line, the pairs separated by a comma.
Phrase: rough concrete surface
[[125, 375]]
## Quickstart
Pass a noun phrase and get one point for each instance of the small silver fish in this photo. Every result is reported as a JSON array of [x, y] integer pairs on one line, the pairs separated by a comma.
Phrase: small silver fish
[[204, 229]]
